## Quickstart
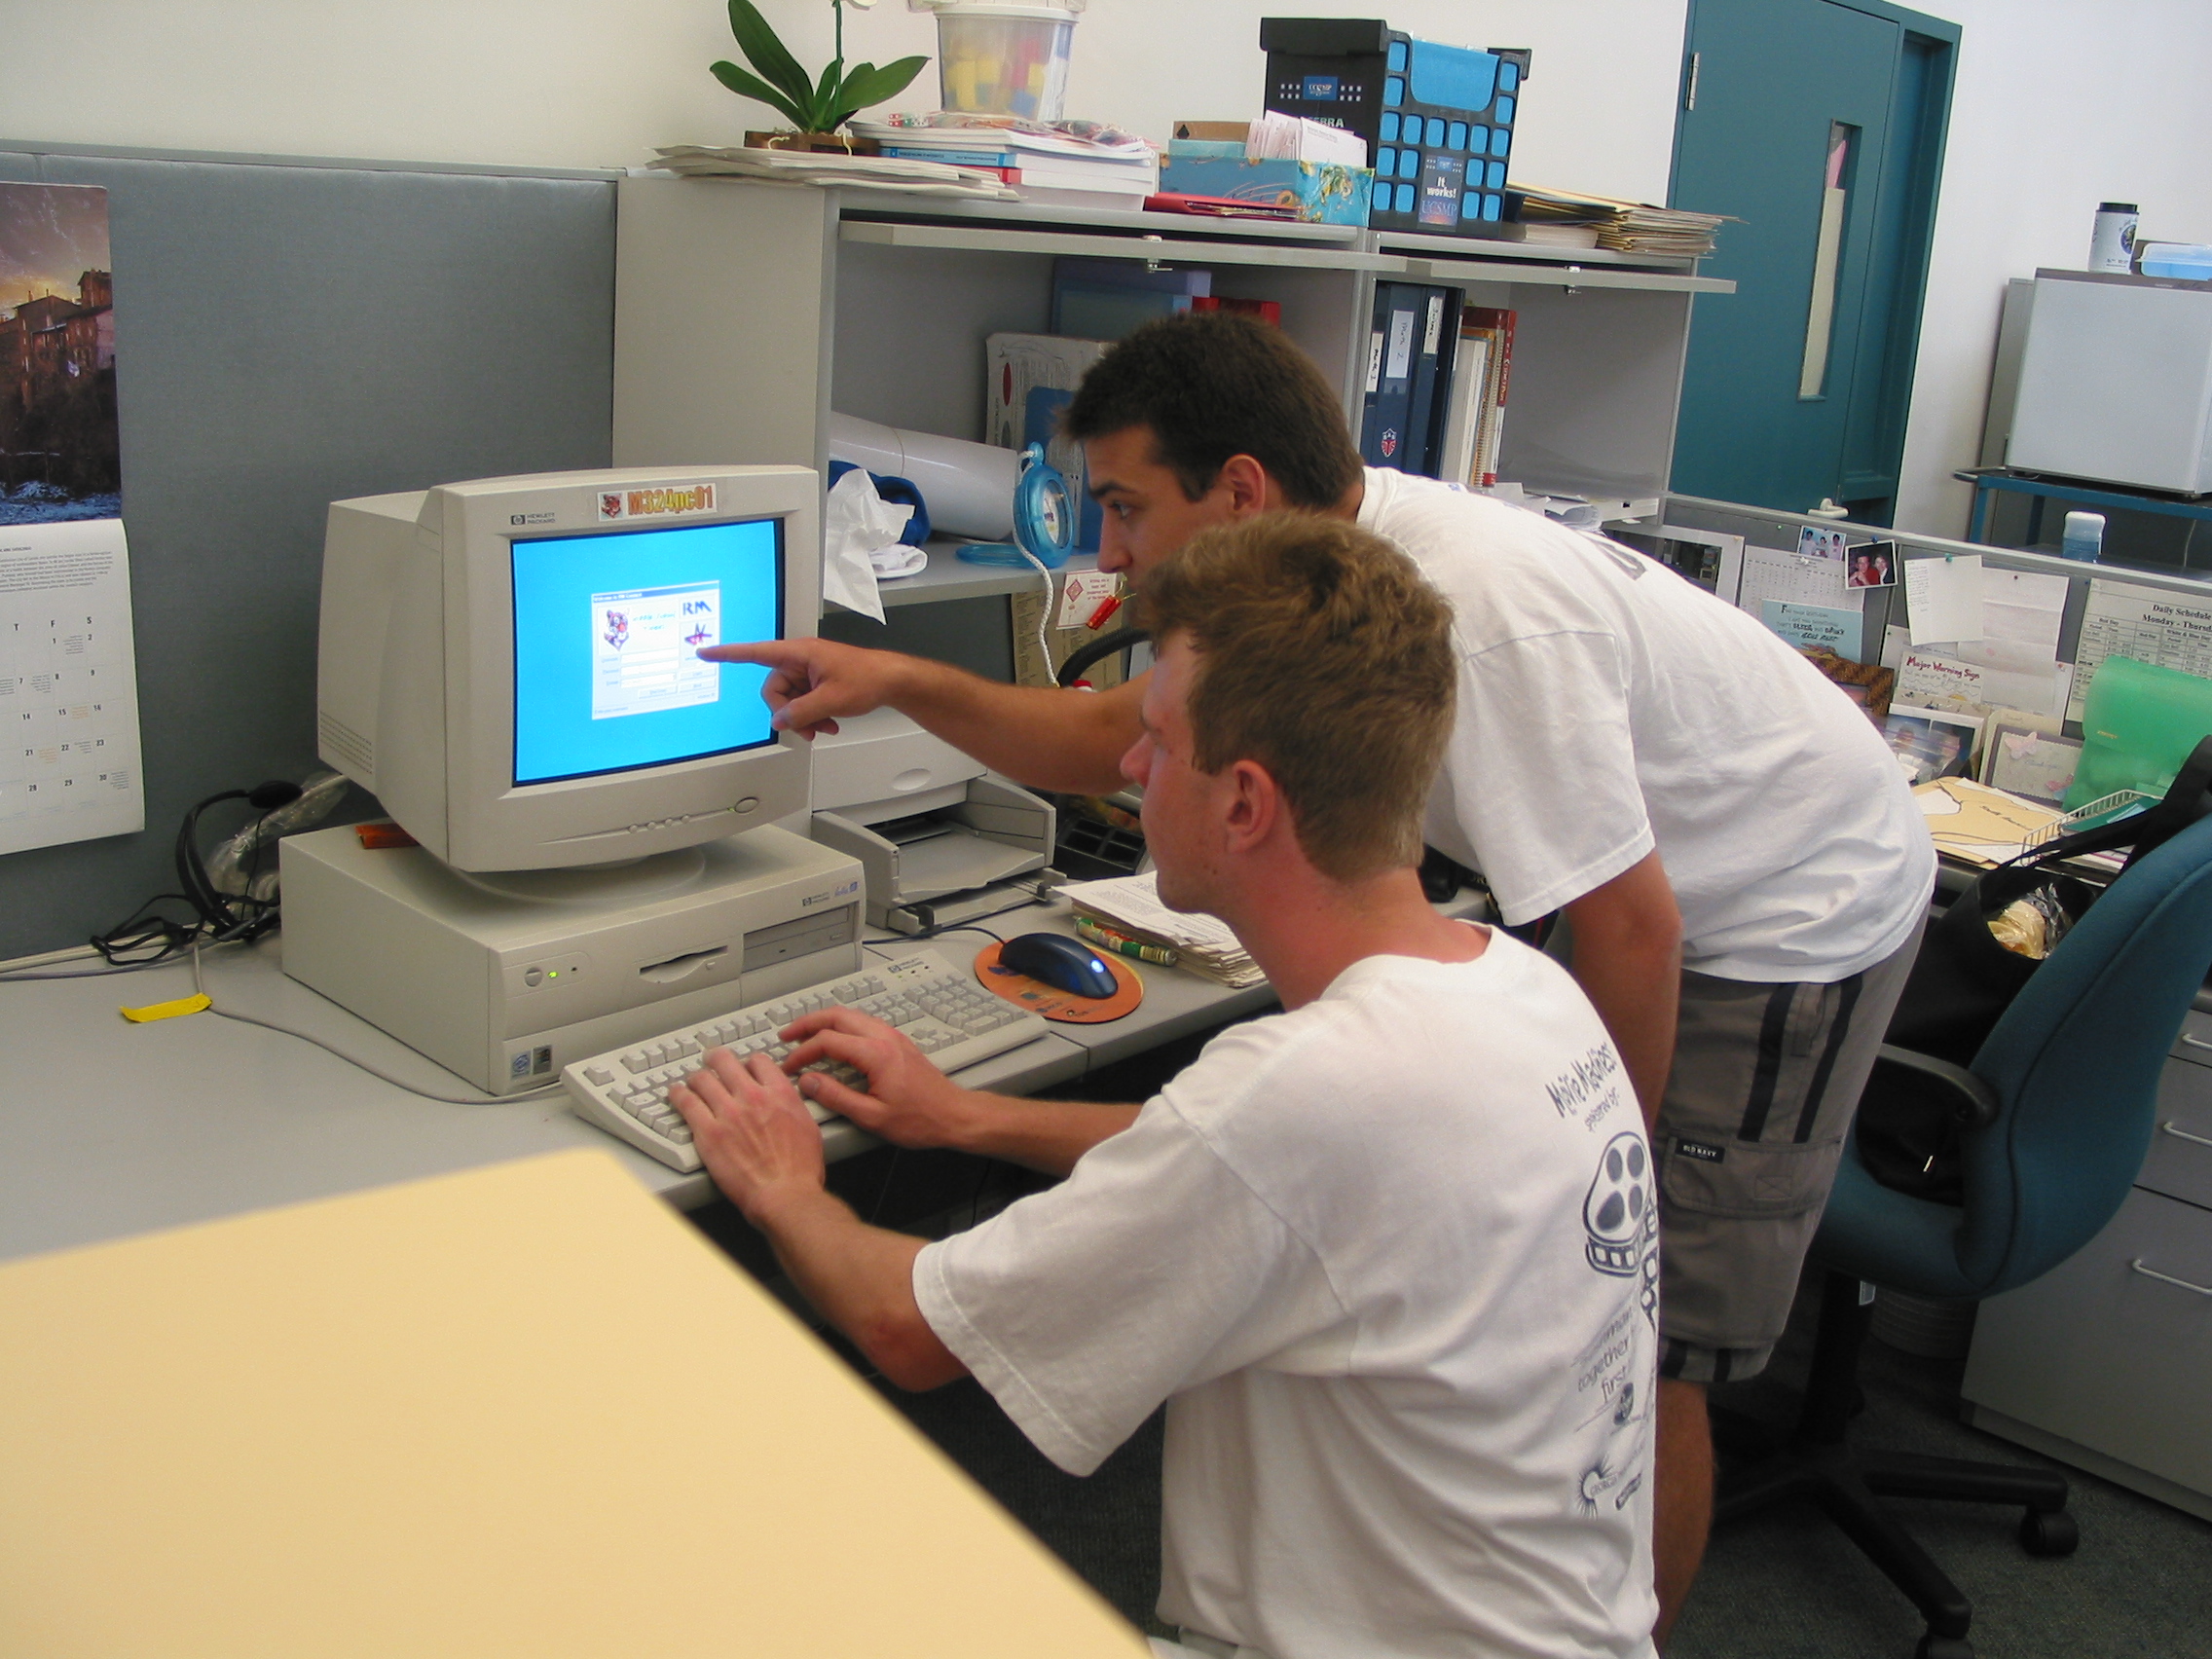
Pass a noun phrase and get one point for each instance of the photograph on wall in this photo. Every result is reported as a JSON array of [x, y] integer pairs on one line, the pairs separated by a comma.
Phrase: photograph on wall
[[1873, 565], [1929, 744], [1821, 543], [60, 458]]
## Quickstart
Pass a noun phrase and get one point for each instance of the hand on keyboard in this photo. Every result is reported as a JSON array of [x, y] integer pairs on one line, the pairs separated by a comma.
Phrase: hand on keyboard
[[908, 1100], [938, 1008], [751, 1130]]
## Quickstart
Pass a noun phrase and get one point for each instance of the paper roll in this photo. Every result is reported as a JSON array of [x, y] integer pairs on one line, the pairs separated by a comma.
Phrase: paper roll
[[969, 487]]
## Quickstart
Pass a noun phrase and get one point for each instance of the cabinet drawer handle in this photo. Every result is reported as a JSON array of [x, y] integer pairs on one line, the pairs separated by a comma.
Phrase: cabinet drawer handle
[[2168, 1279], [2195, 1042], [2179, 1134]]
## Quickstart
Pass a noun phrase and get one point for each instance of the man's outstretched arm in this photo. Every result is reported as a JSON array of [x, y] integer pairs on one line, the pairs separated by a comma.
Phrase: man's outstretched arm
[[1071, 741]]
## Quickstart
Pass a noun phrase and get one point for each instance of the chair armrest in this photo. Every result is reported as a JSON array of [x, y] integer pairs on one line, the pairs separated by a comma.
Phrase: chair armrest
[[1976, 1106]]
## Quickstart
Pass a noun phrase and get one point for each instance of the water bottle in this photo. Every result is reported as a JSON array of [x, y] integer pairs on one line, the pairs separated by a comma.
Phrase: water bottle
[[2085, 536], [2112, 236]]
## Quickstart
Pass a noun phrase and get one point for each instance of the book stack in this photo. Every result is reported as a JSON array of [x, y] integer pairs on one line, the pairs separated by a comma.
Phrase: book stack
[[1474, 403], [1624, 227], [827, 167], [1130, 906], [1437, 375], [1039, 163]]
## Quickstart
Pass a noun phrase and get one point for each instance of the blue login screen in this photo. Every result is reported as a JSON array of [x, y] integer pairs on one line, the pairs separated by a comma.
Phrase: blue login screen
[[607, 631]]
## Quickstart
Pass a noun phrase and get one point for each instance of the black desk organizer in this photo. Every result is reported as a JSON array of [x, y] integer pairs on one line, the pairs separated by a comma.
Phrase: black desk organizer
[[1438, 119]]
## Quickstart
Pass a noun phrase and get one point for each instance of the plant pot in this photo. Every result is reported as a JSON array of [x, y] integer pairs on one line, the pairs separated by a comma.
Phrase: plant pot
[[834, 143]]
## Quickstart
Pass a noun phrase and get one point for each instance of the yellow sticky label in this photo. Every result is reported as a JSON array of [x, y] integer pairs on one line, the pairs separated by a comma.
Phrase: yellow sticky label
[[168, 1009]]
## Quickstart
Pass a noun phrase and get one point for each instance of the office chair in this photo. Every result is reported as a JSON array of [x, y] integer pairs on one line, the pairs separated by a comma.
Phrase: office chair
[[2056, 1114]]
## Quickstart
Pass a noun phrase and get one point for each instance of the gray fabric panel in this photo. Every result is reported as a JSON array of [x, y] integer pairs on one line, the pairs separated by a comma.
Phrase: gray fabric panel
[[289, 336]]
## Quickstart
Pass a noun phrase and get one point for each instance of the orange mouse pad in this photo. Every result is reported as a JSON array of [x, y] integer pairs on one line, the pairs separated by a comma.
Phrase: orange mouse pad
[[1055, 1003]]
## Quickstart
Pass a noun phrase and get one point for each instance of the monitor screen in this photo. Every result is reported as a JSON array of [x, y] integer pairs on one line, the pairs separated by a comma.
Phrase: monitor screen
[[608, 629]]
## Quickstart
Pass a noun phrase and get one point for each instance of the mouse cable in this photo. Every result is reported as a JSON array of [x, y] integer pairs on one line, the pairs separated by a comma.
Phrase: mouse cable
[[477, 1099], [1039, 895]]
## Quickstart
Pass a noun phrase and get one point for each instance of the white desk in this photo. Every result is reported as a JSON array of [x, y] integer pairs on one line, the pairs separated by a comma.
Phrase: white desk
[[518, 1409], [108, 1128]]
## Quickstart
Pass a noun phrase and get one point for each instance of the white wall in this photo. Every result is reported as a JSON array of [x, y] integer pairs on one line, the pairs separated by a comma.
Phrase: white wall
[[598, 83], [2061, 103]]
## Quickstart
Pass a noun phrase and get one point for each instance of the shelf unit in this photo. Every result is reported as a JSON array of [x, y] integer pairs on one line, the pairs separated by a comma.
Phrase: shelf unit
[[745, 312]]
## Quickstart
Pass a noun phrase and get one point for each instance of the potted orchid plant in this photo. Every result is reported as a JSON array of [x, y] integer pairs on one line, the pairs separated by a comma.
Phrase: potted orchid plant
[[816, 106]]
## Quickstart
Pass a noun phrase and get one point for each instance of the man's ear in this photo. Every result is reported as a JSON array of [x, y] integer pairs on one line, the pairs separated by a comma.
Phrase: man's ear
[[1247, 483], [1255, 806]]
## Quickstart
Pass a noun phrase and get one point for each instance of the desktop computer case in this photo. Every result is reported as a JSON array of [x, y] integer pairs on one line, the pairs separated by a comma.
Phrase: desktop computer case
[[505, 980]]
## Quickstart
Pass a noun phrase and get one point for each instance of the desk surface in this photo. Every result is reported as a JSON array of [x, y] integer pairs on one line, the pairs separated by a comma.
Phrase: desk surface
[[108, 1128], [325, 1429]]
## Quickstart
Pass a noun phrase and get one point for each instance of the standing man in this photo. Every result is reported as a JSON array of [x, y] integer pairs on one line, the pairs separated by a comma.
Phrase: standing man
[[1743, 869], [1388, 1256]]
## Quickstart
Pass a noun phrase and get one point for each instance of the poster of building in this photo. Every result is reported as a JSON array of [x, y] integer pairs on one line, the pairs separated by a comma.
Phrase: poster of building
[[68, 683]]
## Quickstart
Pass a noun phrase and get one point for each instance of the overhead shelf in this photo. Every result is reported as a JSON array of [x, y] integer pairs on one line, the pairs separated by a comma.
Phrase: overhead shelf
[[1417, 246], [949, 576], [1010, 237], [1575, 275]]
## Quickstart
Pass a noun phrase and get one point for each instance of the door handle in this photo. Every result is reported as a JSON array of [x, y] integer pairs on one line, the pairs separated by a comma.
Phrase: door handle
[[2168, 1279], [2179, 1134], [2195, 1042]]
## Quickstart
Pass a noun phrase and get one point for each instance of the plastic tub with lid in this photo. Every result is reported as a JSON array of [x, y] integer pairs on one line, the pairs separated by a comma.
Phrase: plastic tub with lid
[[995, 59]]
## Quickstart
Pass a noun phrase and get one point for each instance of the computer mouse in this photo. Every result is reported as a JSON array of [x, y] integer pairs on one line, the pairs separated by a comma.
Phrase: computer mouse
[[1065, 964]]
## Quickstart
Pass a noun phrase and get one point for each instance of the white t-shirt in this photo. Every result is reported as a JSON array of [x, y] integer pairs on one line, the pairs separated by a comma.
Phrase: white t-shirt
[[1608, 706], [1391, 1259]]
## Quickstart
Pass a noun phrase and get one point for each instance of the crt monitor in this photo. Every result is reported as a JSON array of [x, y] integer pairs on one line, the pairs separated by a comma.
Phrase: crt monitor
[[511, 665]]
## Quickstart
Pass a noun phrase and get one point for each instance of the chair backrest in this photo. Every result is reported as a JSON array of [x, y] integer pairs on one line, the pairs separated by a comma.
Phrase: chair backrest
[[2076, 1062]]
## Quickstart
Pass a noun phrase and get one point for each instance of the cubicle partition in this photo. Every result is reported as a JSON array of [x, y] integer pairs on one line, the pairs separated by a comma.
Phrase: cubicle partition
[[290, 333], [1761, 527]]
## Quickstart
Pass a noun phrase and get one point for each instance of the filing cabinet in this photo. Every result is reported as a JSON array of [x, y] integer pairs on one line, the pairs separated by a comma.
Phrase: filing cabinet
[[2104, 1362]]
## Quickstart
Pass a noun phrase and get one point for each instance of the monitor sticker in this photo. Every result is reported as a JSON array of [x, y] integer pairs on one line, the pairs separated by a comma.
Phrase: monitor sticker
[[656, 503]]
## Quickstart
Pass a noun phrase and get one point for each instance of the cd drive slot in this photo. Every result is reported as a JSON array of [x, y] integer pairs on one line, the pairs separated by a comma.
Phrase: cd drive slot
[[802, 937]]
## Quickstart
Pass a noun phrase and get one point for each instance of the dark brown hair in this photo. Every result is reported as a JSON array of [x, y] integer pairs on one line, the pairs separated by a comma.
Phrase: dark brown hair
[[1215, 385], [1324, 655]]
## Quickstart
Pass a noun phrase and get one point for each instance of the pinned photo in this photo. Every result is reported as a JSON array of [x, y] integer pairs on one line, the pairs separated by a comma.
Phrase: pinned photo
[[1871, 564], [1816, 542]]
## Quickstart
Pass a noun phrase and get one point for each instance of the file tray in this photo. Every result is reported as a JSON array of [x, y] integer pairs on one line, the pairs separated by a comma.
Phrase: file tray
[[1438, 119]]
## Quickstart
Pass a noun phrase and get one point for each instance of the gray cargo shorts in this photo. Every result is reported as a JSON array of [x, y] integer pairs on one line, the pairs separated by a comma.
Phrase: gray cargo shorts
[[1766, 1078]]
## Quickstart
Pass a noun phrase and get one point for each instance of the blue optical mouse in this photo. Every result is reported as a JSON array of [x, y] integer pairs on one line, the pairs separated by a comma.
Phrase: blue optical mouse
[[1065, 964]]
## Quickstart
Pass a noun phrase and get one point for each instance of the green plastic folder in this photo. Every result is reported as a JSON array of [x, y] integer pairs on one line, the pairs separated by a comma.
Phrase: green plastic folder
[[2139, 724]]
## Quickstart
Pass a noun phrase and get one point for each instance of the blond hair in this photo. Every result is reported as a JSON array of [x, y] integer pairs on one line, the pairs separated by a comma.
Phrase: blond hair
[[1324, 655]]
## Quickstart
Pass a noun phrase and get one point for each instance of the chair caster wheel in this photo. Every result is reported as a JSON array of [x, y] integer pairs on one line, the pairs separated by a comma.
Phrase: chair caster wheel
[[1933, 1647], [2048, 1532]]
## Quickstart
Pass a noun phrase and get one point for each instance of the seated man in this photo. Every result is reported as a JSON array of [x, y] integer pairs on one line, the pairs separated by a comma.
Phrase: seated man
[[1390, 1257]]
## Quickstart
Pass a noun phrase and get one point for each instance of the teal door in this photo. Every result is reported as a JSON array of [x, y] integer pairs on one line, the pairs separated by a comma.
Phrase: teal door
[[1820, 125]]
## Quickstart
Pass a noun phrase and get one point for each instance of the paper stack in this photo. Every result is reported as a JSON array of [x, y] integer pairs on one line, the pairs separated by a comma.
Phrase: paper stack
[[1624, 227], [1071, 163], [1130, 904], [1276, 136], [1981, 825], [827, 167]]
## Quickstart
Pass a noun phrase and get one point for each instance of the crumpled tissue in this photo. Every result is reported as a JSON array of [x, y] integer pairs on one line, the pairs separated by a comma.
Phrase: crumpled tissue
[[860, 543]]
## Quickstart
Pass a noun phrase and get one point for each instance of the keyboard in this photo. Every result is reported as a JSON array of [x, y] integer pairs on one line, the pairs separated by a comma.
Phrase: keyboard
[[947, 1015]]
